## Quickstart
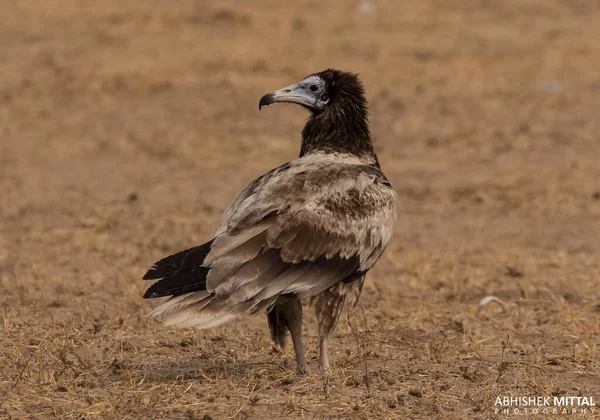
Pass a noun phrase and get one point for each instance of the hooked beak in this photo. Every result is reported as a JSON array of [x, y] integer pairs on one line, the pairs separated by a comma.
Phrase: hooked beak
[[291, 93]]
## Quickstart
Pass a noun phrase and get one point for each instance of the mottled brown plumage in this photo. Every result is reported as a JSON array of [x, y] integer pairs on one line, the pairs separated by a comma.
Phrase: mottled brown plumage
[[310, 228]]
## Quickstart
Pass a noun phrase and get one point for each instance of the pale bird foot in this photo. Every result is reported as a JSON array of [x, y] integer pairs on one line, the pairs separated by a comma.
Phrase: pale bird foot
[[325, 370]]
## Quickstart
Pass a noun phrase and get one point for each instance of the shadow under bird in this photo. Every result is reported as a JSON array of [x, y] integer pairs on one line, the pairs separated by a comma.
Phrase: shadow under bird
[[310, 228]]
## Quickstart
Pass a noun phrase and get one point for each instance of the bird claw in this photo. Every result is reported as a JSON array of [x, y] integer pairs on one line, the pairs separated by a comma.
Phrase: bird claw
[[325, 370]]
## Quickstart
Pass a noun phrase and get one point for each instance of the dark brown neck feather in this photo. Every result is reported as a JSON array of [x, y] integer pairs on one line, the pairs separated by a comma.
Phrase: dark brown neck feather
[[343, 128]]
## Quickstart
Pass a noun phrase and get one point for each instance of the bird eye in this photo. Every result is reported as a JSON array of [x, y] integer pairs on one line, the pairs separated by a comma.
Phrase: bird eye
[[314, 88]]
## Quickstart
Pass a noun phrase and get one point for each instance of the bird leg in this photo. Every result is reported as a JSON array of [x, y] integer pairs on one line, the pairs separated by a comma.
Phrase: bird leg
[[328, 306], [293, 315], [323, 356], [289, 313]]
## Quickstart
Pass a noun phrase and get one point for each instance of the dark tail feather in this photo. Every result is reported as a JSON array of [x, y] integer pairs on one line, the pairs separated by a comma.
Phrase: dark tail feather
[[184, 261], [178, 284], [180, 273], [278, 327]]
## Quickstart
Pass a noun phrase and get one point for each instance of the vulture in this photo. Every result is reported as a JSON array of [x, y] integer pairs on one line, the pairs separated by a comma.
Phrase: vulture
[[310, 228]]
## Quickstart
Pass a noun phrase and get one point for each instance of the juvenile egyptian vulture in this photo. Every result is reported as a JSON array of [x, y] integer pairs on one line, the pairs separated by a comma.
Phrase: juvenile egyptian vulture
[[310, 228]]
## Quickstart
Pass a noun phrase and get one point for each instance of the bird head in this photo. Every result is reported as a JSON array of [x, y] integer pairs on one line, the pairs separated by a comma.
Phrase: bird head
[[321, 91], [339, 113]]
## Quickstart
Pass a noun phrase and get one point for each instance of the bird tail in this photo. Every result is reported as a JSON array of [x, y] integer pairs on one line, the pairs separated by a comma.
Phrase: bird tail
[[198, 309], [179, 273], [182, 276], [202, 309]]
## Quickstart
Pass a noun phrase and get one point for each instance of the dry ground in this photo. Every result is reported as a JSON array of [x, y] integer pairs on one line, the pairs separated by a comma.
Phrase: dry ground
[[127, 127]]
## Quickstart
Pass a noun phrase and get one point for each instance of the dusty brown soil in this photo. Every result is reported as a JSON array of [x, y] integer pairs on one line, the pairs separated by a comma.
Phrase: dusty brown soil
[[127, 127]]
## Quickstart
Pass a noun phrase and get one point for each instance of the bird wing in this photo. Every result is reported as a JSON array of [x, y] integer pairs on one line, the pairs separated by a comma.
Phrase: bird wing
[[300, 228], [311, 210]]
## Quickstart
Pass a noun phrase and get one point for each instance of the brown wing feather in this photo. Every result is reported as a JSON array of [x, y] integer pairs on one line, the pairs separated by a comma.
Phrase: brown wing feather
[[301, 228]]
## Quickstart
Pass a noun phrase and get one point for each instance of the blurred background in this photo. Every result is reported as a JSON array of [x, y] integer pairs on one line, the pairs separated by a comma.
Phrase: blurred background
[[126, 128]]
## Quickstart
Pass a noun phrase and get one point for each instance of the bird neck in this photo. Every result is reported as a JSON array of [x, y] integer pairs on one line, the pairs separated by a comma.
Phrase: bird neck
[[339, 131]]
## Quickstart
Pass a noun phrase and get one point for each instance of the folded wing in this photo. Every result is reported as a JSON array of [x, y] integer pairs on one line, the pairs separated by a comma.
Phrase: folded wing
[[300, 229]]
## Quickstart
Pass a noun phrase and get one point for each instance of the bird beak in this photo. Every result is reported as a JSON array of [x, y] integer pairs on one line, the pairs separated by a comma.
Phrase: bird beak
[[291, 93]]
